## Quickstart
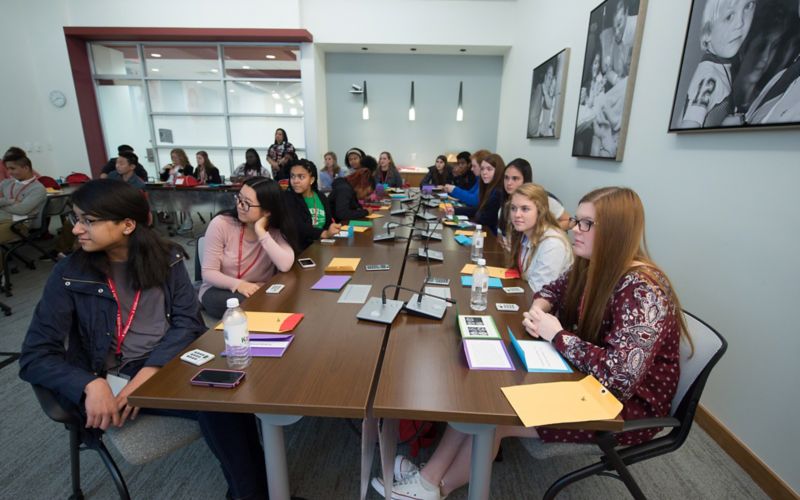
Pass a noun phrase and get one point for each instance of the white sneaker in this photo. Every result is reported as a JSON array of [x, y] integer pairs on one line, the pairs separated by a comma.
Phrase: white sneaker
[[403, 468], [412, 488]]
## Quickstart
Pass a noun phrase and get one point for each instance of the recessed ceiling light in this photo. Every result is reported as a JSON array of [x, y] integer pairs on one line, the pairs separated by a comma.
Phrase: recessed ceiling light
[[245, 67], [155, 55], [155, 70], [270, 56], [231, 91], [214, 70]]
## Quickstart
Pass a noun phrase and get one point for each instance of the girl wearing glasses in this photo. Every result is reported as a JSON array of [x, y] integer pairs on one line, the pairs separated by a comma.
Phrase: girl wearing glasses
[[540, 249], [114, 312], [615, 315], [246, 246], [310, 209]]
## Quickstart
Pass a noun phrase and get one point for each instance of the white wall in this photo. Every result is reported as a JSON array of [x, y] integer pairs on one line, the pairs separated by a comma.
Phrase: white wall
[[435, 130], [719, 210]]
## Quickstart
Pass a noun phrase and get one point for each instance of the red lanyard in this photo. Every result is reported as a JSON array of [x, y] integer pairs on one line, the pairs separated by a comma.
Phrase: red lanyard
[[122, 331], [21, 190], [239, 272]]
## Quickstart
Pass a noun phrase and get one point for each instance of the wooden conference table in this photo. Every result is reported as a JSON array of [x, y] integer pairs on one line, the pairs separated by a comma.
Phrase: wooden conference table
[[339, 366]]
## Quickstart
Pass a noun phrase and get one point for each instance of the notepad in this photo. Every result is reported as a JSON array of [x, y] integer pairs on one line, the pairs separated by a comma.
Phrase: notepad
[[269, 322], [495, 272], [463, 240], [331, 283], [343, 264], [539, 355], [493, 282], [354, 294], [583, 400], [487, 355]]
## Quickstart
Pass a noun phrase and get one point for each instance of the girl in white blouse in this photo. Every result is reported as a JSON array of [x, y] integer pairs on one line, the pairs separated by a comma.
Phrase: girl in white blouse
[[539, 247]]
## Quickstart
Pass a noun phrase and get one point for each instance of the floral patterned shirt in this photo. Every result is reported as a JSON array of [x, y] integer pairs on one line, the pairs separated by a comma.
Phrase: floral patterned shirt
[[637, 357]]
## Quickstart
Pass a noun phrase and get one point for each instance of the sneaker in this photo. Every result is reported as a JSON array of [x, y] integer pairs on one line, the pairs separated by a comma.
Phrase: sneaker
[[412, 488], [403, 468]]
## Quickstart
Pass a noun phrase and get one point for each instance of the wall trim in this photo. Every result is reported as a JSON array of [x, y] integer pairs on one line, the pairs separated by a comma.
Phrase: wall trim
[[763, 476]]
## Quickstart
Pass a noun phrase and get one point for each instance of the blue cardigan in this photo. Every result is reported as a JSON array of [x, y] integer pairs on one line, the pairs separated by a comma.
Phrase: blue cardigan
[[470, 196]]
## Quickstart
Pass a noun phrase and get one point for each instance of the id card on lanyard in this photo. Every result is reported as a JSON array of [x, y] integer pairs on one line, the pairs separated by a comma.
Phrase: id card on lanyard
[[122, 330]]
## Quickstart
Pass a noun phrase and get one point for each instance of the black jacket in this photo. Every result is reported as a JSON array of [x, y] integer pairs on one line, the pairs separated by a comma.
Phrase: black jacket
[[344, 202], [306, 232], [446, 177], [487, 215], [465, 181], [111, 166]]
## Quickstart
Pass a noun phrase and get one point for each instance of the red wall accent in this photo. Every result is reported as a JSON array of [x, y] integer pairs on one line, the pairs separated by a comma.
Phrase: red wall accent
[[76, 38]]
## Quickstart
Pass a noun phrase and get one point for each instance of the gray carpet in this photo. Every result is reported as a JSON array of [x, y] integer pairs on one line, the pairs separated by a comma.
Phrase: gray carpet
[[323, 454]]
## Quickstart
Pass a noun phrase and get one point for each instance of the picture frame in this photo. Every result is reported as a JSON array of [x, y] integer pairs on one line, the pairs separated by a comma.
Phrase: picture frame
[[548, 87], [750, 82], [613, 43]]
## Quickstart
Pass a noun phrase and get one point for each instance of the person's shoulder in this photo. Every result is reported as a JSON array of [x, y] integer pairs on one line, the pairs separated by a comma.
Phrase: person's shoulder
[[643, 277]]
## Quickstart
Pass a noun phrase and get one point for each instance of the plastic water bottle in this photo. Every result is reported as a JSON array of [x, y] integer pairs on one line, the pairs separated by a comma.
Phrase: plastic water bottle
[[237, 336], [478, 299], [477, 244]]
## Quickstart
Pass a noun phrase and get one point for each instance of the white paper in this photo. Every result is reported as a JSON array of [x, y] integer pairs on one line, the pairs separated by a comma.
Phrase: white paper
[[439, 291], [280, 344], [487, 354], [355, 294], [541, 355]]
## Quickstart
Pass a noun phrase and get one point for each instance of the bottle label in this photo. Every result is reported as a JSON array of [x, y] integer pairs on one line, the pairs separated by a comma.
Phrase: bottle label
[[480, 282], [236, 335]]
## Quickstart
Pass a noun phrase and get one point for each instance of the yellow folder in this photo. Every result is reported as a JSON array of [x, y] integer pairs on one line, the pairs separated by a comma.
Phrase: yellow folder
[[269, 322], [582, 400], [494, 272], [356, 229], [342, 264], [468, 232]]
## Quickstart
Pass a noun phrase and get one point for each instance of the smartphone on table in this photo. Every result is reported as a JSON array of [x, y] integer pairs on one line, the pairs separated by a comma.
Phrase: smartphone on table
[[209, 377], [306, 263]]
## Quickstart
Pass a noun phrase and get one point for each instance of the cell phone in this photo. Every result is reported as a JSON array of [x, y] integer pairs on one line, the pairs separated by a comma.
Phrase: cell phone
[[227, 379], [438, 281], [306, 263], [378, 267]]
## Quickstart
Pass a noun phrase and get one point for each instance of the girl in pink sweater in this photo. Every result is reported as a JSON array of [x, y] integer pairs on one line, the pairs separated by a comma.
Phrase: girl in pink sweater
[[245, 247]]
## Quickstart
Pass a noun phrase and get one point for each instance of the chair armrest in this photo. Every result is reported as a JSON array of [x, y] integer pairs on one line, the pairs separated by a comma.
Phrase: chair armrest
[[649, 423]]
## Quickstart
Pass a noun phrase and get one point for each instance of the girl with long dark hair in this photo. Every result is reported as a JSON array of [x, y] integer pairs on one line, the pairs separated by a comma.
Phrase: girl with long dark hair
[[309, 208]]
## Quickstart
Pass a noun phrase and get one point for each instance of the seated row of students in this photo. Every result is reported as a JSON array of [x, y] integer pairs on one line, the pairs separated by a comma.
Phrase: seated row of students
[[613, 314], [127, 280]]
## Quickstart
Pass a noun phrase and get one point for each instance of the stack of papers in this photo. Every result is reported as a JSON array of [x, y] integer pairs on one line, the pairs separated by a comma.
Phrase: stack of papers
[[483, 346]]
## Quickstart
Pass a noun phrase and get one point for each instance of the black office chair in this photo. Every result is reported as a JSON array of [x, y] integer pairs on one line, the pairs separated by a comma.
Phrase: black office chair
[[80, 439], [709, 346]]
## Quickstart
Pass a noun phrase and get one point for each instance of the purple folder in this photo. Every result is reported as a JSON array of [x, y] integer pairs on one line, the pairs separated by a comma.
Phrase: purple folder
[[465, 346], [333, 282], [267, 352]]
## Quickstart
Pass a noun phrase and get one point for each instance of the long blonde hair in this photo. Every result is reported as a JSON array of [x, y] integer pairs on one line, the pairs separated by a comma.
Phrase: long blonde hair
[[619, 247], [544, 221]]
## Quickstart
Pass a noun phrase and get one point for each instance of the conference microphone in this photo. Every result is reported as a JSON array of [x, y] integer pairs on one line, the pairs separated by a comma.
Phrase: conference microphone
[[380, 309]]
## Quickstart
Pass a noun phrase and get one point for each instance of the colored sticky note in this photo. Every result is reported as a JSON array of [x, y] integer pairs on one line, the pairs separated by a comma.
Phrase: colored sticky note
[[331, 283], [361, 223], [493, 282], [463, 240]]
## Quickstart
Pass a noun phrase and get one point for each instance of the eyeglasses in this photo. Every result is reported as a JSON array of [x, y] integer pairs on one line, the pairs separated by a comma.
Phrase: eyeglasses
[[583, 224], [87, 223], [243, 203]]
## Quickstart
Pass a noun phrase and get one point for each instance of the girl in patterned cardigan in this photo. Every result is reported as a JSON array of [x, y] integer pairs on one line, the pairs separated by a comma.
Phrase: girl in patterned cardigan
[[614, 315]]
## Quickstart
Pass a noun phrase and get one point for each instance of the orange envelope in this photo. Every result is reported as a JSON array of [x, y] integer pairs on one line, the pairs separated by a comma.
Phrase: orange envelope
[[270, 322], [468, 232], [342, 264], [357, 229], [494, 272], [374, 216], [582, 400]]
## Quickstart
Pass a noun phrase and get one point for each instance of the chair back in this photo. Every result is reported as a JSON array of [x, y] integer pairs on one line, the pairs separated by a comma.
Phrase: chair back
[[201, 245], [709, 346], [56, 206]]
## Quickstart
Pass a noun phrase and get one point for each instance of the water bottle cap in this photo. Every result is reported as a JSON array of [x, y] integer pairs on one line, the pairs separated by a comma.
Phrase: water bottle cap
[[481, 262], [232, 302]]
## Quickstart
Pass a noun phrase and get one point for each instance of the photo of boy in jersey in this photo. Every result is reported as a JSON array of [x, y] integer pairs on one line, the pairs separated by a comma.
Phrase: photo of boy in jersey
[[741, 65]]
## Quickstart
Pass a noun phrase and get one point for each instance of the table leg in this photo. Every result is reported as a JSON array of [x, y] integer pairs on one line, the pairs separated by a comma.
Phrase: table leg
[[388, 444], [369, 435], [275, 453], [481, 466]]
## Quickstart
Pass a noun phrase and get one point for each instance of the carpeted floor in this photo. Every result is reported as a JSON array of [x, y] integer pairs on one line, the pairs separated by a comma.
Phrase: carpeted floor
[[323, 454]]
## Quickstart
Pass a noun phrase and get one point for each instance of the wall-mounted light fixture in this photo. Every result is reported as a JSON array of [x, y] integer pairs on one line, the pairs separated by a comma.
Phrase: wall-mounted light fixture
[[460, 109], [412, 112], [365, 109]]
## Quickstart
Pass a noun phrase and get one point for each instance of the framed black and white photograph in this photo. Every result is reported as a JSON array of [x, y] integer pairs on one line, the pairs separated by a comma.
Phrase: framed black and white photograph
[[740, 67], [613, 42], [547, 97]]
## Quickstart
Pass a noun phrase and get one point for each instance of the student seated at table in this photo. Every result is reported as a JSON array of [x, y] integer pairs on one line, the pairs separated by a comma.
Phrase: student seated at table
[[346, 193], [111, 166], [330, 171], [179, 166], [439, 174], [126, 170], [352, 159], [387, 172], [462, 173], [556, 207], [246, 246], [206, 172], [21, 195], [614, 315], [469, 196], [515, 174], [123, 305], [251, 167], [309, 208], [490, 197], [540, 249]]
